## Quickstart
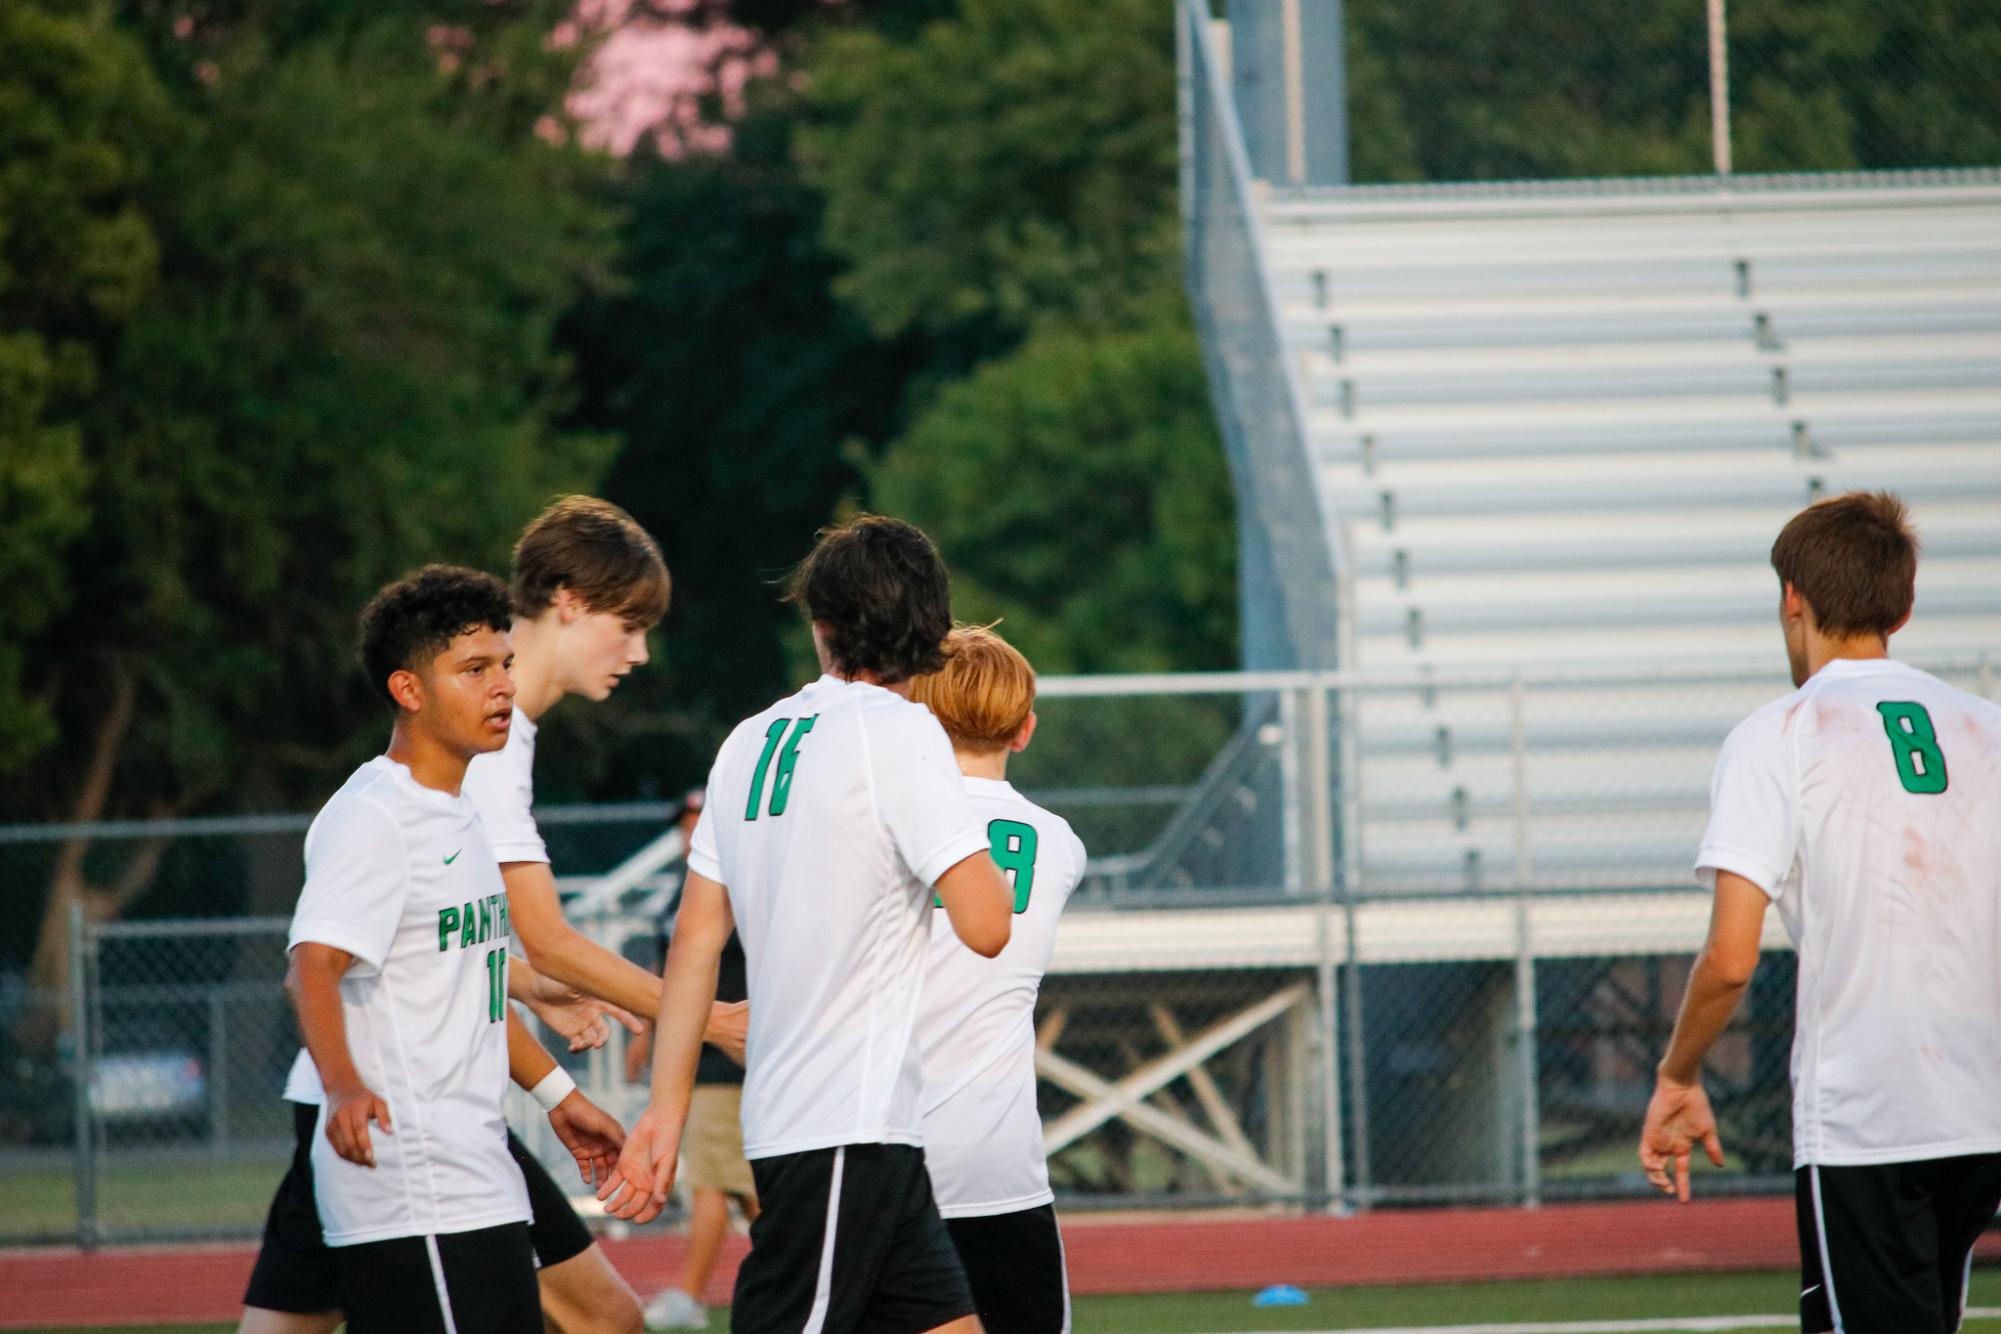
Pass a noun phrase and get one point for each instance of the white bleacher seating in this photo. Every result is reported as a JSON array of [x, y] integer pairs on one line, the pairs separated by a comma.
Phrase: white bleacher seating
[[1563, 428]]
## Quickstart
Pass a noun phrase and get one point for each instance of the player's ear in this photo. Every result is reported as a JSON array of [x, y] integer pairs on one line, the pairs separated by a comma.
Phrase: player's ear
[[1025, 735], [568, 605], [407, 689], [1792, 606]]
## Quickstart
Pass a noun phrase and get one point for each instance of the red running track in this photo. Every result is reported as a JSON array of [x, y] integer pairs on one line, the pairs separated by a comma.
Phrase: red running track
[[1151, 1253]]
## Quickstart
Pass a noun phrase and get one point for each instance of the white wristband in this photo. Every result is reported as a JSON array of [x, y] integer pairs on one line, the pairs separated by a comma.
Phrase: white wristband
[[555, 1086]]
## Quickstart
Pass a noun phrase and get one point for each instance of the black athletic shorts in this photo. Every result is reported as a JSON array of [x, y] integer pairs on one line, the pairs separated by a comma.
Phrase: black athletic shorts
[[1885, 1249], [848, 1240], [480, 1282], [297, 1271], [1014, 1263]]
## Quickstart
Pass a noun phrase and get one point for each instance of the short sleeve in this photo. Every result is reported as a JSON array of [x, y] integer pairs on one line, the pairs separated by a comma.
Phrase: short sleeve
[[1080, 864], [501, 787], [921, 796], [357, 877], [1753, 807], [703, 857]]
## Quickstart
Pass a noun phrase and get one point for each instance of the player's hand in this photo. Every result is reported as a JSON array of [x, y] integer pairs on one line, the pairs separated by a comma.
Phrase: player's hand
[[348, 1115], [637, 1190], [589, 1133], [729, 1028], [584, 1021], [1678, 1117]]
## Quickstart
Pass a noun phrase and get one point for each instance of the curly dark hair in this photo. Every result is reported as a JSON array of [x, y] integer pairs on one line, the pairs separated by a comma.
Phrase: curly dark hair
[[415, 618], [880, 595]]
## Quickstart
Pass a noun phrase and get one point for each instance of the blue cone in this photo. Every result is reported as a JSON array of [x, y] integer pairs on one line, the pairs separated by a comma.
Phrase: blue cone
[[1281, 1294]]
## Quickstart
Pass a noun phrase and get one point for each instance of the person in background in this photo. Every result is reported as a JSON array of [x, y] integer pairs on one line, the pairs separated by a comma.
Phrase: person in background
[[716, 1172]]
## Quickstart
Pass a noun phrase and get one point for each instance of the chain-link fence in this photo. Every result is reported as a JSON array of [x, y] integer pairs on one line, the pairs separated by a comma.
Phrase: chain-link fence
[[1343, 941]]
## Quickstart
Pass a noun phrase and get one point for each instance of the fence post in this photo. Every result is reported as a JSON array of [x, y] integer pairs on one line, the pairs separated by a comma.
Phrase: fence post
[[81, 1066], [1292, 807], [1317, 822], [1525, 980], [218, 1071]]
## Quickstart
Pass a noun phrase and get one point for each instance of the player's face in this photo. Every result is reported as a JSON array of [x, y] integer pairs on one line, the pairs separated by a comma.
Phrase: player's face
[[469, 692], [598, 649]]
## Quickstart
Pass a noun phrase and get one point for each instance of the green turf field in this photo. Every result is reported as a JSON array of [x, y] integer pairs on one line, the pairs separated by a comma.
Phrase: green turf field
[[1432, 1305]]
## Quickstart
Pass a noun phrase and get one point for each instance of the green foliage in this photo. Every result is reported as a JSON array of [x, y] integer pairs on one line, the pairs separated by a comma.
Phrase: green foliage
[[79, 112], [1522, 89], [346, 367], [1077, 486], [1012, 170], [1013, 163], [735, 380]]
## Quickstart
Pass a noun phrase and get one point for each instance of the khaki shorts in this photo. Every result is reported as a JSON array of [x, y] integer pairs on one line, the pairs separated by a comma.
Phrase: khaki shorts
[[712, 1144]]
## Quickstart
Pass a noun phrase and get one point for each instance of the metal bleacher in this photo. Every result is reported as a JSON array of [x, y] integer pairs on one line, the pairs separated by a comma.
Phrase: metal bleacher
[[1559, 428]]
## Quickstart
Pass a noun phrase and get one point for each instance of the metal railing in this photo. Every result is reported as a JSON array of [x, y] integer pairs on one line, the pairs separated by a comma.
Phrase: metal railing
[[1278, 983]]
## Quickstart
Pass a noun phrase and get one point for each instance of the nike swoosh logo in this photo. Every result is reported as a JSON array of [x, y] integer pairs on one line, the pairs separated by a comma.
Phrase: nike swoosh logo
[[454, 857], [1807, 1291]]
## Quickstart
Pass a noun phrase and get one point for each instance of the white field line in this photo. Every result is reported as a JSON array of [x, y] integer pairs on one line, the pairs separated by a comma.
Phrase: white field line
[[1682, 1325]]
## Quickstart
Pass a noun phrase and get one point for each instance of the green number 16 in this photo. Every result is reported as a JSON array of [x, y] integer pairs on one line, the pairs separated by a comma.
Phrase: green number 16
[[1914, 743]]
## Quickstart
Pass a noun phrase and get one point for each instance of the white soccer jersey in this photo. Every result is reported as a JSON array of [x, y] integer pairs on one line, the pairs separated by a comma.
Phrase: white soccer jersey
[[401, 876], [1868, 805], [829, 817], [501, 786], [976, 1032]]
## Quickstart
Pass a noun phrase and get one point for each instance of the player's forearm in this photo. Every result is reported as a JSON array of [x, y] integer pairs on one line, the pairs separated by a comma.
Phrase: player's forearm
[[573, 959], [1712, 997], [312, 979], [521, 979], [528, 1061], [685, 1001]]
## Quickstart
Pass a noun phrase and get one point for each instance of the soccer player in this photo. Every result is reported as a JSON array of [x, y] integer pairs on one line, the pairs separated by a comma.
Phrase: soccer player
[[399, 976], [588, 584], [976, 1028], [832, 819], [1867, 806]]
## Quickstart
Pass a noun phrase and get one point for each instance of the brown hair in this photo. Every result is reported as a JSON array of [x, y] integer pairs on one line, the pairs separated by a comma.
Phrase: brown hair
[[1854, 558], [984, 694], [596, 550], [880, 595]]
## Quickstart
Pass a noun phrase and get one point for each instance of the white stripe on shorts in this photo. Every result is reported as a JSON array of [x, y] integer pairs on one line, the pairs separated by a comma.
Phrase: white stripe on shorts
[[1826, 1260], [823, 1286], [438, 1282], [1062, 1272]]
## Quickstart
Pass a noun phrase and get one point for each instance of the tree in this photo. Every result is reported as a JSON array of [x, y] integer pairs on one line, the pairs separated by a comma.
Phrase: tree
[[1077, 485], [1013, 163], [737, 384], [79, 114], [347, 368], [1008, 175]]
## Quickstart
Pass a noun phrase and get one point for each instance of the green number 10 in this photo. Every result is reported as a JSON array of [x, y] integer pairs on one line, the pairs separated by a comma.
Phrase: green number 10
[[1920, 763], [788, 757], [1013, 846]]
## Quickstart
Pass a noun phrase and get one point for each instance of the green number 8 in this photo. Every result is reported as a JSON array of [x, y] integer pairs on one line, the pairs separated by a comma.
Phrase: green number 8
[[1920, 763], [1013, 846]]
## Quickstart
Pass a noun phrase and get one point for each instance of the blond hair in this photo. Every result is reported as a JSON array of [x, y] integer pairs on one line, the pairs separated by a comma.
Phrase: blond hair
[[983, 695]]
